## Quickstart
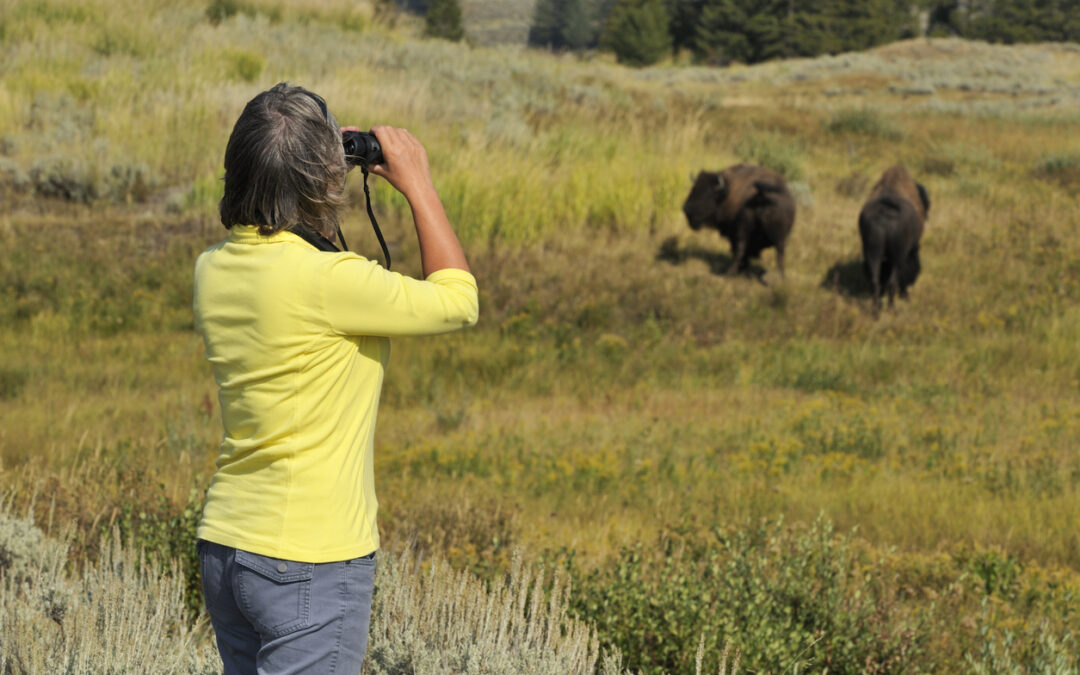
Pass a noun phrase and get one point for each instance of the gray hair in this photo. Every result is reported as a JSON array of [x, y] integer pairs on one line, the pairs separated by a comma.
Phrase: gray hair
[[284, 164]]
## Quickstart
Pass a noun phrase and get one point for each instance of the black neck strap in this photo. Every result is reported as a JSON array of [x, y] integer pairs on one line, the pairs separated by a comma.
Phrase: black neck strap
[[371, 217], [308, 234]]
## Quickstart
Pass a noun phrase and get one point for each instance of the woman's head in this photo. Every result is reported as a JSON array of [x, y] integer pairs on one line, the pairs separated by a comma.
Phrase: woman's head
[[284, 164]]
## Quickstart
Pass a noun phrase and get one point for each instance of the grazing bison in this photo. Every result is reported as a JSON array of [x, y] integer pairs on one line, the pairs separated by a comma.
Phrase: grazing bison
[[750, 206], [890, 224]]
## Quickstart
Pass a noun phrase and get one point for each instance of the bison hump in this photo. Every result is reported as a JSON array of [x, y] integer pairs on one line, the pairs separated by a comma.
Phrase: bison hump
[[891, 202]]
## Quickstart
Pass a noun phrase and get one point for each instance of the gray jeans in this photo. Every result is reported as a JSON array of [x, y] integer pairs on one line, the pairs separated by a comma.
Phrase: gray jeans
[[275, 616]]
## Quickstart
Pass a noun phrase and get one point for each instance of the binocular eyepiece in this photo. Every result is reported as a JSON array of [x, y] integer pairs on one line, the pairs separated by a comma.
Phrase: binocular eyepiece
[[361, 148]]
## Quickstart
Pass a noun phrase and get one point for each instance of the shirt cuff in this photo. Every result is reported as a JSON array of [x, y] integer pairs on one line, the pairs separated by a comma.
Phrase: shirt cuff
[[451, 273]]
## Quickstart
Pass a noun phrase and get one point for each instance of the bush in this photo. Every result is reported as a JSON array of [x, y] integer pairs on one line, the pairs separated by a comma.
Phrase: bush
[[243, 65], [1061, 169], [786, 597], [65, 178], [637, 32], [128, 183], [1040, 650], [863, 121], [445, 621], [13, 179], [772, 152], [118, 614], [12, 382], [443, 20], [219, 10], [72, 180]]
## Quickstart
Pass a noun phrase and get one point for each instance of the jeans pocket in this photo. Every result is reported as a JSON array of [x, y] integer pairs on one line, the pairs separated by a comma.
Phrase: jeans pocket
[[275, 594]]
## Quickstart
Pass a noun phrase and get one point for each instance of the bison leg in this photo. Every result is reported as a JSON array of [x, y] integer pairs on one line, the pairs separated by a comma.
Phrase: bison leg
[[872, 267], [738, 255], [780, 259], [911, 270], [893, 283]]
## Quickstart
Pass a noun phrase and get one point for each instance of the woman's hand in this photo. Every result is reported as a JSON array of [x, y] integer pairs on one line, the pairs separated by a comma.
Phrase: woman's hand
[[407, 169], [406, 162]]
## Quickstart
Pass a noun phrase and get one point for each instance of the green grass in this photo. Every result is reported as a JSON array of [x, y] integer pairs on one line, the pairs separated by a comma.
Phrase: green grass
[[618, 394]]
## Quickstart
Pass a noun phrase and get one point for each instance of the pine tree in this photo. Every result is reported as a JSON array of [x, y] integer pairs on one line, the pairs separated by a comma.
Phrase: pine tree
[[575, 28], [758, 30], [683, 19], [861, 24], [742, 30], [544, 31], [562, 24], [1011, 21], [637, 31], [443, 20]]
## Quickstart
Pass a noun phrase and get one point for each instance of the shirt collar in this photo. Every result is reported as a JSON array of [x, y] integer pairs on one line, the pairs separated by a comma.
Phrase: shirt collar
[[249, 234]]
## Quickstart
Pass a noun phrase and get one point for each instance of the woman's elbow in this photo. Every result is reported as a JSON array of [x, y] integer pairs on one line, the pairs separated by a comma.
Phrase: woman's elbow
[[470, 312]]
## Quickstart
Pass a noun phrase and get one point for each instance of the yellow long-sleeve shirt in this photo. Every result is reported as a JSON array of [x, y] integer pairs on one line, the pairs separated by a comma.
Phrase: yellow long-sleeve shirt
[[298, 342]]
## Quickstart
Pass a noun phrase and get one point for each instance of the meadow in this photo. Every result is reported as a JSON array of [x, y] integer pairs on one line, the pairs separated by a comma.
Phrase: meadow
[[758, 463]]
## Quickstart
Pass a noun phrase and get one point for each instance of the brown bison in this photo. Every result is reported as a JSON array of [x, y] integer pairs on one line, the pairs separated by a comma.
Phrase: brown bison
[[891, 224], [750, 206]]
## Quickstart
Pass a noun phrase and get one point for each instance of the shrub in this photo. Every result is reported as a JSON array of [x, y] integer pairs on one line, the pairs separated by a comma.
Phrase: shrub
[[12, 178], [772, 152], [1061, 169], [128, 183], [443, 20], [219, 10], [65, 178], [243, 65], [118, 614], [22, 547], [637, 32], [786, 597], [445, 621], [118, 40], [1040, 650], [12, 382], [862, 121], [164, 533]]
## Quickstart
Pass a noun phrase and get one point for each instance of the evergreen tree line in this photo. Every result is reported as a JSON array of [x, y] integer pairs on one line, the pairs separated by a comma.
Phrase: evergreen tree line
[[641, 32]]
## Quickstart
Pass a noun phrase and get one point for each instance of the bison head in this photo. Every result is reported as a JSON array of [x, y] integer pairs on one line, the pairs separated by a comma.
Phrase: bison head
[[709, 192]]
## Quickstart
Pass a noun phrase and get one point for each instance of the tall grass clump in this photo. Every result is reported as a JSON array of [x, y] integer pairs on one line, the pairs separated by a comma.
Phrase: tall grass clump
[[117, 614], [430, 618]]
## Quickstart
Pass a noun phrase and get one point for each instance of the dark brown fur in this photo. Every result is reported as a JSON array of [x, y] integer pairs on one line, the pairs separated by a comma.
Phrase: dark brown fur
[[891, 224], [749, 205]]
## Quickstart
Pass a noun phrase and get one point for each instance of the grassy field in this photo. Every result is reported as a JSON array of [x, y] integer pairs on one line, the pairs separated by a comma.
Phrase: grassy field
[[622, 410]]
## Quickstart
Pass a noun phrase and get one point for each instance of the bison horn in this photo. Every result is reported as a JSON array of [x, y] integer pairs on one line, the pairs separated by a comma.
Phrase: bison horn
[[720, 182]]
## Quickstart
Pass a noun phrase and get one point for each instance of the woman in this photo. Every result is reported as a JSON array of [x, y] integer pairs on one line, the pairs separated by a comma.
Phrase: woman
[[298, 341]]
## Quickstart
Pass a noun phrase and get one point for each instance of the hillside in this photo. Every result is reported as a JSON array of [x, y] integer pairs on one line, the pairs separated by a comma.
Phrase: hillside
[[758, 461], [498, 22]]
